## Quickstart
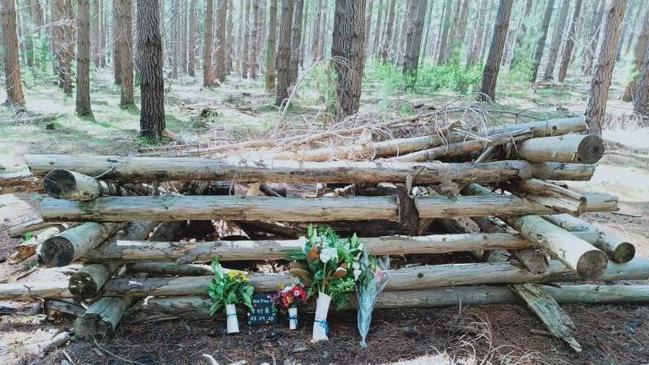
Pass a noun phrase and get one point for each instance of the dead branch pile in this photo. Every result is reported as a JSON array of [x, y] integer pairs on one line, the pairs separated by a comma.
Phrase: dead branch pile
[[145, 226]]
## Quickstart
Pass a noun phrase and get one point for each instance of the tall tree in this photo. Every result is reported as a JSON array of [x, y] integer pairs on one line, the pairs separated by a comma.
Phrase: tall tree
[[348, 46], [540, 43], [149, 61], [446, 25], [296, 33], [94, 33], [387, 33], [63, 43], [284, 52], [377, 28], [593, 40], [245, 60], [640, 54], [317, 34], [207, 43], [83, 59], [570, 42], [414, 33], [270, 46], [252, 53], [492, 67], [368, 24], [13, 83], [473, 55], [191, 47], [555, 44], [125, 50], [117, 63], [519, 50], [221, 19], [641, 97], [601, 82]]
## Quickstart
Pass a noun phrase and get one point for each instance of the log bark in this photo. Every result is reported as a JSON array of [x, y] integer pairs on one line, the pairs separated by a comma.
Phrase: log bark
[[67, 246], [28, 248], [410, 278], [102, 317], [171, 208], [617, 249], [89, 279], [570, 148], [29, 226], [145, 251], [546, 307], [576, 253], [132, 169], [33, 290], [65, 184], [195, 307], [170, 268]]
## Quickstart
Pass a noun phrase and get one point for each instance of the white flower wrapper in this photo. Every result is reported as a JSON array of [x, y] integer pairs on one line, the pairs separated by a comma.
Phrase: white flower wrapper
[[231, 318], [320, 326]]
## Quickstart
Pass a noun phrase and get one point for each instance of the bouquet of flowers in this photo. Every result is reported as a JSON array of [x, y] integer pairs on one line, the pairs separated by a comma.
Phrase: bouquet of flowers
[[290, 298], [373, 279], [329, 266], [229, 288]]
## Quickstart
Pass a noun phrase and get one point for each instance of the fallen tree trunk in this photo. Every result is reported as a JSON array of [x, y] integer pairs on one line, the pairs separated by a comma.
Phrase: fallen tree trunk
[[392, 147], [576, 253], [89, 279], [134, 169], [142, 251], [618, 249], [29, 226], [101, 317], [168, 208], [401, 279], [170, 268], [32, 290], [28, 248], [569, 148], [65, 184], [546, 128], [69, 245], [195, 307]]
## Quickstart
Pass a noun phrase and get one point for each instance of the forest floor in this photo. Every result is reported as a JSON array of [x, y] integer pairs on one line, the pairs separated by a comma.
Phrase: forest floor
[[609, 334]]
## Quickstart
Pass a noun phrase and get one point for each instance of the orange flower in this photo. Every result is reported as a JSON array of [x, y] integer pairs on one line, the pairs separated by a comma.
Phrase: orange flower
[[313, 254]]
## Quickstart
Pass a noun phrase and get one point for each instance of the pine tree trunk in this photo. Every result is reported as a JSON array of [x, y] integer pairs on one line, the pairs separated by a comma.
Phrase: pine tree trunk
[[284, 52], [207, 43], [446, 24], [229, 52], [173, 50], [540, 43], [461, 28], [387, 33], [94, 32], [117, 58], [13, 83], [640, 53], [254, 33], [270, 47], [221, 21], [474, 53], [601, 82], [368, 25], [348, 43], [377, 28], [149, 45], [83, 60], [191, 57], [448, 47], [400, 42], [641, 97], [570, 42], [414, 33], [317, 26], [490, 74], [556, 41], [245, 57], [125, 50], [324, 28], [102, 35], [296, 33], [594, 39]]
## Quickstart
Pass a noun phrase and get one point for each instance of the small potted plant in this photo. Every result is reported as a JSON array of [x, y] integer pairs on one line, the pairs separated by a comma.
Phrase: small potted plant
[[229, 288], [291, 298], [329, 267]]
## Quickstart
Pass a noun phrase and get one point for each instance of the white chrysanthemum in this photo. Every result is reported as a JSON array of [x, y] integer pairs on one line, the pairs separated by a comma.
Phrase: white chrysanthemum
[[328, 254]]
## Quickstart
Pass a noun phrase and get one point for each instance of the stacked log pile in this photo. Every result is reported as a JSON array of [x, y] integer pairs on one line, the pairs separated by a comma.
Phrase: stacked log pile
[[497, 196]]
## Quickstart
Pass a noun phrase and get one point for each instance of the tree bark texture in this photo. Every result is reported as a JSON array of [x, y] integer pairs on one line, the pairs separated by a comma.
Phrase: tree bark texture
[[270, 47], [126, 52], [492, 67], [570, 42], [640, 52], [555, 44], [284, 52], [540, 43], [413, 41], [207, 43], [83, 60], [296, 33], [13, 82], [221, 20]]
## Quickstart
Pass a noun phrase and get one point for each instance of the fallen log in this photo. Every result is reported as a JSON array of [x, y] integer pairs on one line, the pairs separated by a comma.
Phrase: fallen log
[[69, 245], [392, 147], [65, 184], [546, 307], [89, 279], [143, 169], [54, 289], [460, 148], [119, 209], [569, 148], [196, 307], [421, 277], [27, 248], [170, 268], [101, 317], [142, 251], [576, 253], [29, 226], [546, 128], [618, 249]]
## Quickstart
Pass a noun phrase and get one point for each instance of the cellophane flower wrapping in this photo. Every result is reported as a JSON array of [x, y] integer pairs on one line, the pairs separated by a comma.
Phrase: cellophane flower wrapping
[[373, 279]]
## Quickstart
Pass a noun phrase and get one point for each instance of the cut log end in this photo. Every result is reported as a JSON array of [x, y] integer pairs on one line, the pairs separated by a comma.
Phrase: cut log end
[[82, 285], [56, 251], [591, 149], [59, 183], [592, 264], [624, 252]]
